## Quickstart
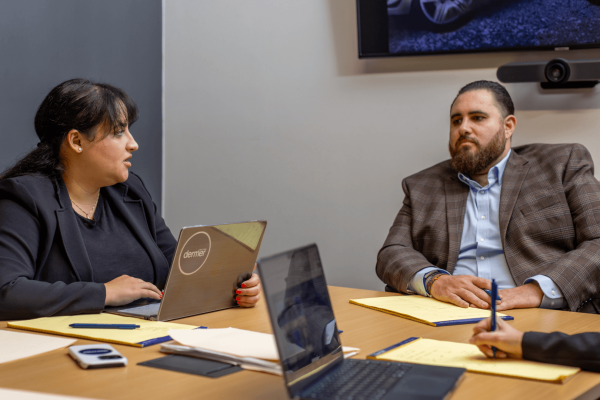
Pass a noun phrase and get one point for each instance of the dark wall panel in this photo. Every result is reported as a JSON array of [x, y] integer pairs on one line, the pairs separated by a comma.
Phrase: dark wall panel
[[45, 42]]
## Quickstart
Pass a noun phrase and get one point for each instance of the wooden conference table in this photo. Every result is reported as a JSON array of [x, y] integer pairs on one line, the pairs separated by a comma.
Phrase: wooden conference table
[[367, 329]]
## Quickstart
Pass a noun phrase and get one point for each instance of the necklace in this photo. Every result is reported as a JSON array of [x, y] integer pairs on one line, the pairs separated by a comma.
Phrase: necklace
[[91, 211]]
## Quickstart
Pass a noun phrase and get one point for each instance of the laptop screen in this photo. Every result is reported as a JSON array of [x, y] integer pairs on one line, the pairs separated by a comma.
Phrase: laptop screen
[[301, 314]]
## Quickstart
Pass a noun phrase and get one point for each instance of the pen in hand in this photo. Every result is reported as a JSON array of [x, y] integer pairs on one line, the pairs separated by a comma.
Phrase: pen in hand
[[489, 293], [494, 294]]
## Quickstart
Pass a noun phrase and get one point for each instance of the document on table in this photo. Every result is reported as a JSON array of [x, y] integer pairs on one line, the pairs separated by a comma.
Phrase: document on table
[[427, 310], [236, 342], [149, 333], [251, 350], [25, 395], [17, 345], [248, 234], [450, 354]]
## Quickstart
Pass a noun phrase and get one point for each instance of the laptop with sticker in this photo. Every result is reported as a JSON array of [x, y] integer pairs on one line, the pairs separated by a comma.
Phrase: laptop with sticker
[[210, 262]]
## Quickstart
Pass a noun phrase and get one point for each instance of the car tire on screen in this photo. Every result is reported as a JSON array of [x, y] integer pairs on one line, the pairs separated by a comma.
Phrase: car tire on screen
[[442, 15]]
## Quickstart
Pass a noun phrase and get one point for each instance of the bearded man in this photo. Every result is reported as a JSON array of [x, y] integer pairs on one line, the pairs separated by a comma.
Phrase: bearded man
[[528, 217]]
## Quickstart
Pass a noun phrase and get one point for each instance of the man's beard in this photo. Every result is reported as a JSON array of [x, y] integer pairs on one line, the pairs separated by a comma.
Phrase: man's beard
[[471, 163]]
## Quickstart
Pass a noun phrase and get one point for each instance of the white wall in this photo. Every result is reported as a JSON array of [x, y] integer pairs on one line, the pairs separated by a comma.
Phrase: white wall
[[270, 114]]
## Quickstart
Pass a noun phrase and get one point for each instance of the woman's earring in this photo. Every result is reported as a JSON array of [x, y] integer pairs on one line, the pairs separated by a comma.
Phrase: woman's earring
[[80, 149]]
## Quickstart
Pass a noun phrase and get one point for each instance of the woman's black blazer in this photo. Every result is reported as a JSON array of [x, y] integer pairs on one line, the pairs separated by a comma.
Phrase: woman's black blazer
[[44, 266], [581, 350]]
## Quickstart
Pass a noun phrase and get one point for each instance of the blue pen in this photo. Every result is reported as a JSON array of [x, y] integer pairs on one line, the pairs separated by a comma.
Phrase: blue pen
[[494, 295], [489, 293], [104, 326]]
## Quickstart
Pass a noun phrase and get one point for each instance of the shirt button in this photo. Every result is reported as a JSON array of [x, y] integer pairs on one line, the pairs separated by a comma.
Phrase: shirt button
[[483, 217], [481, 239], [481, 192], [553, 293], [482, 258]]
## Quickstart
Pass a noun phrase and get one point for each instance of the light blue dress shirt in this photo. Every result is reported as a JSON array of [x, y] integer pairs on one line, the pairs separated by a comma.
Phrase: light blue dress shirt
[[481, 253]]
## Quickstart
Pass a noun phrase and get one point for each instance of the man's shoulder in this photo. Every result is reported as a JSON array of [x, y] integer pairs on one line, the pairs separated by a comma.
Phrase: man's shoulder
[[550, 153], [437, 173]]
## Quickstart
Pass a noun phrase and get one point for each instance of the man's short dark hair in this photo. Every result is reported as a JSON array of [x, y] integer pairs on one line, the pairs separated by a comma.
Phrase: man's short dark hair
[[497, 90]]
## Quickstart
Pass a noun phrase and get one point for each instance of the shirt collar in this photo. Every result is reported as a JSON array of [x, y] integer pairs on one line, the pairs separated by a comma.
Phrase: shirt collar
[[495, 174]]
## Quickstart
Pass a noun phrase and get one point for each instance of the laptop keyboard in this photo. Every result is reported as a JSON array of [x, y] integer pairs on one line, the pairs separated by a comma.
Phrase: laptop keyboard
[[357, 380], [148, 310]]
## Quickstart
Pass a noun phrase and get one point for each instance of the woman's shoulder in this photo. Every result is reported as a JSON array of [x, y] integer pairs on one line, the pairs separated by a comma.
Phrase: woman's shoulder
[[32, 191], [27, 186]]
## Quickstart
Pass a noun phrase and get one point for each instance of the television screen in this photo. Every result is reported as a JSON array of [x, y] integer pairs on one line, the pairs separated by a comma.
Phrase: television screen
[[418, 27]]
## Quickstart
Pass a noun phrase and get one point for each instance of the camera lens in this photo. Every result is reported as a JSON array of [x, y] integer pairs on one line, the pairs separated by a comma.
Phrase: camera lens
[[557, 71]]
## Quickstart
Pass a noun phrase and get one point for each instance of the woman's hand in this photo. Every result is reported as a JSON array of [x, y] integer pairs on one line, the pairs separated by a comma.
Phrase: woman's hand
[[249, 294], [505, 338], [125, 289]]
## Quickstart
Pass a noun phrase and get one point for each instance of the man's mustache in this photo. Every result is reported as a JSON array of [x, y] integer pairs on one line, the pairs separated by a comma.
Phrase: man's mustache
[[466, 139]]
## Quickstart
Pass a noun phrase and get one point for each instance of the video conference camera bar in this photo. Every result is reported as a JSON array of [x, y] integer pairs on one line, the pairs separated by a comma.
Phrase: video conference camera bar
[[556, 74]]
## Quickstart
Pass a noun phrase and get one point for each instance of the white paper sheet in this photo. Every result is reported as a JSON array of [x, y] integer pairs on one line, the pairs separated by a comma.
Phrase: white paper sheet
[[23, 395], [17, 345], [237, 342]]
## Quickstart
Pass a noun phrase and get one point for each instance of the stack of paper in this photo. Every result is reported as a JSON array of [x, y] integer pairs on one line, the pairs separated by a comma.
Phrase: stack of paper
[[149, 333], [449, 354], [427, 310], [250, 350]]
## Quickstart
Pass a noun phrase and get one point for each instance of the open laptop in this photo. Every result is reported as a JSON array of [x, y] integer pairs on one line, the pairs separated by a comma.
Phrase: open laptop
[[209, 264], [309, 345]]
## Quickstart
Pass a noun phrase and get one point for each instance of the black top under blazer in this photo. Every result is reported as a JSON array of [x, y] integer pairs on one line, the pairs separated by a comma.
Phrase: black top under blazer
[[44, 267]]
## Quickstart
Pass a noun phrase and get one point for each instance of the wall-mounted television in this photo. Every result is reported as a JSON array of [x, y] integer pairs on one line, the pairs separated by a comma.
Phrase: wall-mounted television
[[419, 27]]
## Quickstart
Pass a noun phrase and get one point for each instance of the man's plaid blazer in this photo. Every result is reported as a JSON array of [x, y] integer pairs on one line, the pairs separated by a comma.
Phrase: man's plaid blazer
[[549, 221]]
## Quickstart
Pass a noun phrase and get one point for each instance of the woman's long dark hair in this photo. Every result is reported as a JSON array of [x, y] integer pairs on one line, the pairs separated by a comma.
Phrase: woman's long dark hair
[[75, 104]]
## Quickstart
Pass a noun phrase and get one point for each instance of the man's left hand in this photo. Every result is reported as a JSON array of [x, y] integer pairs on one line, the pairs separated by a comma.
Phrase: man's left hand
[[249, 294], [526, 296]]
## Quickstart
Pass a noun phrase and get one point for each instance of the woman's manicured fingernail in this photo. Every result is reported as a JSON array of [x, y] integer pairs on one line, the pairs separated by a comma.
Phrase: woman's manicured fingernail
[[237, 298], [243, 285], [238, 291]]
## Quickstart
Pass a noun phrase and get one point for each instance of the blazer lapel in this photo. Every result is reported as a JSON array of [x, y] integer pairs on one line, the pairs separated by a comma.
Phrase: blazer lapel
[[514, 174], [71, 236], [456, 204], [132, 211]]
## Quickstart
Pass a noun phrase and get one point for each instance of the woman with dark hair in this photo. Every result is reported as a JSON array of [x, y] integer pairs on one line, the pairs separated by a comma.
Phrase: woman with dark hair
[[78, 231]]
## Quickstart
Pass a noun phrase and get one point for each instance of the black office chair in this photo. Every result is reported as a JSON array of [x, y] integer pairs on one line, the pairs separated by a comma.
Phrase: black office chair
[[388, 288]]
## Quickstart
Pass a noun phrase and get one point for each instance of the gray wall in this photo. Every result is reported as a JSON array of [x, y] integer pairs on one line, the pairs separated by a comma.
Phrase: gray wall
[[270, 114], [45, 42]]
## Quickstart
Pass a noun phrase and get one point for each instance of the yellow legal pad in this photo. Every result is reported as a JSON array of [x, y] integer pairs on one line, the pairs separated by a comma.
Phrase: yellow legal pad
[[427, 310], [149, 332], [248, 234], [449, 354]]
